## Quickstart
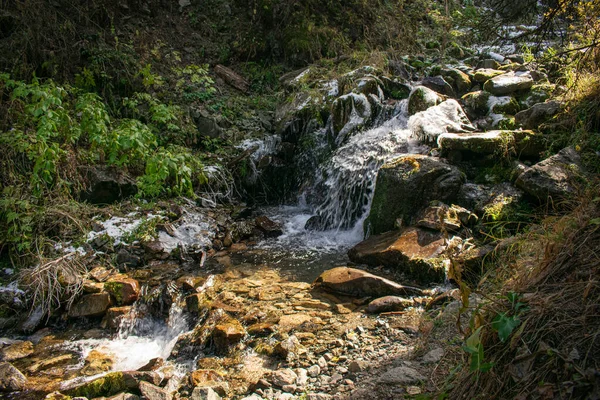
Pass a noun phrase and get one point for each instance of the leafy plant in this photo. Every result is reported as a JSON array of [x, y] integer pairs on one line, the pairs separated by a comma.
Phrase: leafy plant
[[474, 347], [506, 322]]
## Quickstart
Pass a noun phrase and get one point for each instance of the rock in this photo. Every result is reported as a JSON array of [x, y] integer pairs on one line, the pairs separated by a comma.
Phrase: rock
[[292, 321], [16, 351], [124, 396], [508, 83], [442, 217], [227, 334], [415, 252], [268, 227], [421, 99], [318, 396], [459, 80], [11, 379], [204, 393], [505, 105], [439, 85], [124, 291], [476, 103], [100, 274], [253, 396], [232, 78], [206, 124], [349, 114], [401, 376], [395, 89], [356, 366], [109, 384], [261, 329], [503, 143], [433, 356], [106, 185], [314, 371], [302, 377], [288, 348], [389, 303], [358, 283], [448, 116], [49, 363], [197, 302], [152, 392], [115, 316], [556, 177], [90, 305], [485, 74], [283, 377], [153, 364], [489, 64], [406, 184], [533, 117], [205, 377], [97, 363]]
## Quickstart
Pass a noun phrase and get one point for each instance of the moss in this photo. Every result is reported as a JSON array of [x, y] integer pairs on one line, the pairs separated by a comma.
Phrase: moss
[[115, 289], [108, 385], [511, 107]]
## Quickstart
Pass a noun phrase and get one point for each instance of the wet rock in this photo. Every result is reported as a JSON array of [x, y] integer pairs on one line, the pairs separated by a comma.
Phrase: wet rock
[[508, 83], [153, 364], [389, 303], [115, 316], [196, 302], [11, 379], [283, 377], [401, 376], [204, 393], [485, 74], [557, 176], [90, 305], [421, 99], [16, 351], [261, 329], [448, 116], [506, 143], [414, 251], [49, 363], [268, 227], [190, 282], [395, 89], [96, 363], [358, 283], [100, 274], [152, 392], [124, 291], [110, 384], [106, 185], [441, 217], [227, 334], [533, 117], [314, 223], [204, 377], [408, 183], [349, 114], [438, 84], [92, 287]]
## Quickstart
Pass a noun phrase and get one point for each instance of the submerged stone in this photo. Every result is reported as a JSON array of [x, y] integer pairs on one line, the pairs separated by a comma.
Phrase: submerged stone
[[414, 251], [359, 283], [16, 351]]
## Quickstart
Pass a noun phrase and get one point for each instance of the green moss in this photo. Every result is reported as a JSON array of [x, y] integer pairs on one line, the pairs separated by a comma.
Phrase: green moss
[[108, 385], [116, 290]]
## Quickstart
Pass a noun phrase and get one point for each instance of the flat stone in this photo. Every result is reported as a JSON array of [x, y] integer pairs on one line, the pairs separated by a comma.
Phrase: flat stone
[[536, 115], [389, 303], [502, 143], [205, 377], [508, 83], [152, 392], [49, 363], [359, 283], [292, 321], [401, 376], [11, 379], [485, 74], [90, 305], [447, 116], [433, 356], [16, 351], [227, 334], [414, 251]]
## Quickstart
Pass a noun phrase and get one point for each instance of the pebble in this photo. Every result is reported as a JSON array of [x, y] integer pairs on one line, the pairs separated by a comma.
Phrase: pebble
[[314, 371], [322, 363]]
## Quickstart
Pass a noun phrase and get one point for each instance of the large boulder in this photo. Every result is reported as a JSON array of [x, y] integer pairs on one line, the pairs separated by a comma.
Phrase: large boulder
[[11, 379], [421, 99], [407, 184], [90, 305], [448, 116], [349, 114], [359, 283], [414, 251], [106, 185], [533, 117], [503, 143], [556, 177], [439, 84], [508, 83]]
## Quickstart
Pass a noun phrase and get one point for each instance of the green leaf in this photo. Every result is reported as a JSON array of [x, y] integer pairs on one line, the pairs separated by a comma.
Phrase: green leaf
[[505, 325], [595, 221]]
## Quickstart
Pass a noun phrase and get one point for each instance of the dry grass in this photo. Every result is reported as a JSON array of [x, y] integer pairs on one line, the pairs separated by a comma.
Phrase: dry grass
[[555, 351]]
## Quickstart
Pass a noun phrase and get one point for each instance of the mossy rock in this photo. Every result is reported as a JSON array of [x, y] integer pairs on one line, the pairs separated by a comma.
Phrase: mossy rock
[[504, 105], [503, 143], [476, 103], [458, 79], [107, 385], [395, 89], [421, 99], [406, 185], [485, 74]]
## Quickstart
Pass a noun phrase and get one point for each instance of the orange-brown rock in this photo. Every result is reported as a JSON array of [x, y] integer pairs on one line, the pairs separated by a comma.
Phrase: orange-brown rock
[[124, 291]]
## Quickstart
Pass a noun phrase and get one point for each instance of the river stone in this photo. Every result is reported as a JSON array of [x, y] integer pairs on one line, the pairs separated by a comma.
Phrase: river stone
[[268, 227], [448, 116], [115, 315], [291, 321], [414, 251], [288, 347], [359, 283], [421, 99], [106, 185], [11, 379], [459, 80], [533, 117], [124, 291], [443, 217], [283, 377], [204, 393], [557, 176], [16, 351], [227, 334], [152, 392], [485, 74], [508, 83], [395, 88], [389, 303], [406, 184], [401, 376], [349, 113], [489, 64], [205, 377], [476, 103], [438, 84], [90, 305], [502, 143]]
